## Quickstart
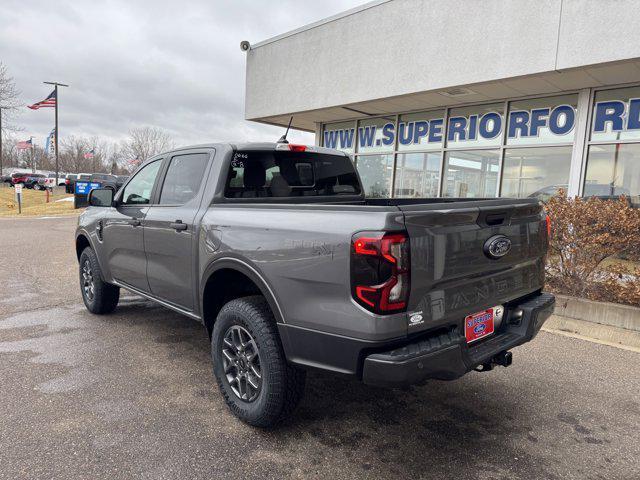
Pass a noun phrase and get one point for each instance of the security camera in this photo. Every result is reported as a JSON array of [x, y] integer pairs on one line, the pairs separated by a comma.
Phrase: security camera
[[245, 46]]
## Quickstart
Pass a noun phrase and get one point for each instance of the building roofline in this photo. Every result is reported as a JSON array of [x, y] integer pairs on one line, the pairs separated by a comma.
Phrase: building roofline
[[319, 23]]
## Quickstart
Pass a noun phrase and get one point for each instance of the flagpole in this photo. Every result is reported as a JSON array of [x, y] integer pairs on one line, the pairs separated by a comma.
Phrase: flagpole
[[56, 84]]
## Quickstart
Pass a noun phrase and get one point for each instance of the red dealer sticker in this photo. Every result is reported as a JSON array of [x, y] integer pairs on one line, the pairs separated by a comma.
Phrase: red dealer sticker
[[478, 325]]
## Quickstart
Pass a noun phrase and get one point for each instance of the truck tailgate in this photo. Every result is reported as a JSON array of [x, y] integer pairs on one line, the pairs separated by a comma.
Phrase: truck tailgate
[[452, 275]]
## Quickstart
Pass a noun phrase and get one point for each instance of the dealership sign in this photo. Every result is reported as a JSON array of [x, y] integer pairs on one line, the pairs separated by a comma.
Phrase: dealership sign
[[616, 116], [558, 121]]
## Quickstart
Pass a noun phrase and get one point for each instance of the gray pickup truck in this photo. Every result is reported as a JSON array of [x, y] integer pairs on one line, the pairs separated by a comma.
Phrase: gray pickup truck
[[276, 250]]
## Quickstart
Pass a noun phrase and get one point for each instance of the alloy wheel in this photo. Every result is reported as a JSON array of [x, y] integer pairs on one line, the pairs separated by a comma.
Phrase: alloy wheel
[[241, 362], [88, 285]]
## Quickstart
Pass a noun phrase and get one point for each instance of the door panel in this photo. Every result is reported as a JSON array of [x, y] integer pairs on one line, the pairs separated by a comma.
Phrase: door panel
[[123, 234], [124, 245], [169, 230]]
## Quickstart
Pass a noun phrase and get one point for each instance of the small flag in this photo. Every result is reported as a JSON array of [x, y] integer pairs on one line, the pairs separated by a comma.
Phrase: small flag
[[50, 144], [24, 145], [90, 154], [50, 101]]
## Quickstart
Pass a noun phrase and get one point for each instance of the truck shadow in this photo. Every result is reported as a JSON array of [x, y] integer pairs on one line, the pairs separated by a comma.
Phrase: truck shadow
[[480, 421]]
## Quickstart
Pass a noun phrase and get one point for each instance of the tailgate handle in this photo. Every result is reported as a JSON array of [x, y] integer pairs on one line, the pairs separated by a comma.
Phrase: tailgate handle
[[495, 219]]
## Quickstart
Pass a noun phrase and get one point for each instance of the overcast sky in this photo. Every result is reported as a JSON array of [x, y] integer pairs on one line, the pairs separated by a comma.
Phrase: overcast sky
[[171, 64]]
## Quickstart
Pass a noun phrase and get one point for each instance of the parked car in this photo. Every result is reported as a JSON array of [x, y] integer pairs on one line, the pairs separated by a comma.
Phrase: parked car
[[276, 250], [19, 177], [35, 181], [61, 179], [121, 180], [105, 180]]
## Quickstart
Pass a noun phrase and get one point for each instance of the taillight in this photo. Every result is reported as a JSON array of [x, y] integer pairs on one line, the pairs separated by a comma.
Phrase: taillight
[[292, 147], [66, 181], [380, 271]]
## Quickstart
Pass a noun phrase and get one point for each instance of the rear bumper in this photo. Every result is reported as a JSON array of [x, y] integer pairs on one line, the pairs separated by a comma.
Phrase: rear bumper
[[448, 356], [402, 362]]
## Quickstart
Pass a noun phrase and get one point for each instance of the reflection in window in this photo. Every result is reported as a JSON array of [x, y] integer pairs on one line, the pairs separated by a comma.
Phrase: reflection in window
[[614, 170], [536, 172], [471, 174], [417, 175], [375, 173]]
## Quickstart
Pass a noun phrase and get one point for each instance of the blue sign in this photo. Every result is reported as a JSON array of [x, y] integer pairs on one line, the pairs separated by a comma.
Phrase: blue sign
[[83, 188], [559, 120], [618, 115]]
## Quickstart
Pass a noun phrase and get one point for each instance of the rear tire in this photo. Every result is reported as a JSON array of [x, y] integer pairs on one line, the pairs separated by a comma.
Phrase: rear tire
[[246, 349], [99, 296]]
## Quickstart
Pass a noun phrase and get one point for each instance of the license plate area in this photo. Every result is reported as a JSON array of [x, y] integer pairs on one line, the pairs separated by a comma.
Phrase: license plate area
[[479, 325]]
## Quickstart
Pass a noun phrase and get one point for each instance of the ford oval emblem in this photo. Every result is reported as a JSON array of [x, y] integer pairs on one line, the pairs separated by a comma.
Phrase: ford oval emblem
[[497, 246], [481, 327]]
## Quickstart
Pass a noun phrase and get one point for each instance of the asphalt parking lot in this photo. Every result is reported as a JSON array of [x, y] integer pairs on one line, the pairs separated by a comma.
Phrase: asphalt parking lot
[[132, 395]]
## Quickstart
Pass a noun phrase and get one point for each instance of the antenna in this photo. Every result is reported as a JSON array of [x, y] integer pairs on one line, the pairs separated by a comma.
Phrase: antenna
[[283, 138]]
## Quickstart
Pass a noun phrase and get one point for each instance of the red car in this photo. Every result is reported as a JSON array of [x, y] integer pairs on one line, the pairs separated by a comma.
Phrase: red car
[[20, 177]]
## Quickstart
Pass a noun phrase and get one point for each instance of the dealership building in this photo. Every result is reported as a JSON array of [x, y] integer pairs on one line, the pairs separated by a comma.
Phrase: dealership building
[[464, 98]]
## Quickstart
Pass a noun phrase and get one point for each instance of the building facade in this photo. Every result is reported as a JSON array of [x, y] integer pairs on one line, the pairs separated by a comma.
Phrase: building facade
[[465, 99]]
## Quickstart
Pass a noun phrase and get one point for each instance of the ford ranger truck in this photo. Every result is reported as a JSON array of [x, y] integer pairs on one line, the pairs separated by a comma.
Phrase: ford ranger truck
[[277, 251]]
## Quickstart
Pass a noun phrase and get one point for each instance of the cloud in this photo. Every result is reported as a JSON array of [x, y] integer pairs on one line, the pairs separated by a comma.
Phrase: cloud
[[174, 65]]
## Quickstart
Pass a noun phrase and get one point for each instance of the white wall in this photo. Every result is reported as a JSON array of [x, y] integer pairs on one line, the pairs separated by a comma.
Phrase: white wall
[[406, 46]]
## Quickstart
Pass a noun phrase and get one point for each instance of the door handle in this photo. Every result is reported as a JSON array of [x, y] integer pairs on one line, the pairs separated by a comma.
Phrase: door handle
[[178, 225], [134, 222]]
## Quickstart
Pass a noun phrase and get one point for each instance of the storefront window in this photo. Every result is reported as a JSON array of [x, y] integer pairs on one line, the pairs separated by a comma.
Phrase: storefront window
[[421, 131], [417, 175], [340, 136], [376, 135], [476, 126], [542, 120], [471, 174], [616, 115], [535, 172], [614, 170], [375, 173]]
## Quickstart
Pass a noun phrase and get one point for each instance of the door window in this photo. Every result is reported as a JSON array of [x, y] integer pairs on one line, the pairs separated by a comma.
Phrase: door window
[[138, 190], [183, 179]]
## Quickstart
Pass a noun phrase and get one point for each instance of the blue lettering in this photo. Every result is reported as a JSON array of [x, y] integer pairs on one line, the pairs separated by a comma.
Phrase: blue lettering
[[457, 125], [566, 112], [420, 131], [388, 134], [366, 136], [608, 112], [633, 120], [435, 132], [490, 125], [539, 117], [330, 138], [405, 139], [518, 124], [346, 138], [473, 127]]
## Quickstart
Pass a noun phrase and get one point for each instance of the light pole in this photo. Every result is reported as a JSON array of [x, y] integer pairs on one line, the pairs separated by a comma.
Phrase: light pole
[[56, 85]]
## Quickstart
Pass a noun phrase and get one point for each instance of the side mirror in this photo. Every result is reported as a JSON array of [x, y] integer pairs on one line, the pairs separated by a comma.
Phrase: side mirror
[[100, 197]]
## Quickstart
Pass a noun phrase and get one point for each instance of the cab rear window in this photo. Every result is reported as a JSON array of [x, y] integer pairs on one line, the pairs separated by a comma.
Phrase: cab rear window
[[278, 174]]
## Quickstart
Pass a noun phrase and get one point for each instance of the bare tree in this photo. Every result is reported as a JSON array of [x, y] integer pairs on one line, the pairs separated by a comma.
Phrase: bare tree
[[9, 101], [144, 142]]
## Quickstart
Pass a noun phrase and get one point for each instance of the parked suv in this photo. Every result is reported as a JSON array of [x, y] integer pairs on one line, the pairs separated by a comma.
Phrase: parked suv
[[276, 250], [106, 180]]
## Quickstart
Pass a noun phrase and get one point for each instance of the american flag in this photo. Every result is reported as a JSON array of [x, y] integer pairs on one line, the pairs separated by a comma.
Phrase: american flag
[[90, 154], [24, 145], [50, 101]]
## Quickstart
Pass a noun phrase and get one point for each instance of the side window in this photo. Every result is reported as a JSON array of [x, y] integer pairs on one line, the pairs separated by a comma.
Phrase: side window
[[183, 179], [138, 190]]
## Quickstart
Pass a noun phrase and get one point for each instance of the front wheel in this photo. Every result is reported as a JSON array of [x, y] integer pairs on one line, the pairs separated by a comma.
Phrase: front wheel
[[257, 383], [99, 296]]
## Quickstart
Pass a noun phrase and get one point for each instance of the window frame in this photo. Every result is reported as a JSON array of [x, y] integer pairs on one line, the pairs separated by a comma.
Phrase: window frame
[[589, 142], [165, 170], [502, 146], [120, 194]]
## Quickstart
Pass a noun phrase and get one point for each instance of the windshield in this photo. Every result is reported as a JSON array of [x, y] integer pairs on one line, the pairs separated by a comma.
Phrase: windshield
[[259, 173]]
